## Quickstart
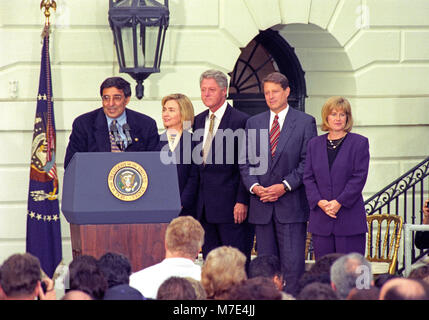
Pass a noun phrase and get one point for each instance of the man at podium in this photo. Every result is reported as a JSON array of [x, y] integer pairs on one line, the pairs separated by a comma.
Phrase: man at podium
[[113, 127]]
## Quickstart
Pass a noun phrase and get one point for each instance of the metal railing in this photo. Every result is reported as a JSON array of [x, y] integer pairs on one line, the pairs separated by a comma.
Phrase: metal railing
[[404, 197]]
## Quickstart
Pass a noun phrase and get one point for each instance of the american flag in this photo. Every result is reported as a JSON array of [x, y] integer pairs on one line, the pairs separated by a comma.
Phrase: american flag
[[43, 218]]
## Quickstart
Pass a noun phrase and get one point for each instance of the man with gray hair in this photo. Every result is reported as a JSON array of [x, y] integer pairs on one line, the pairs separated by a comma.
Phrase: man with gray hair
[[222, 199], [351, 271]]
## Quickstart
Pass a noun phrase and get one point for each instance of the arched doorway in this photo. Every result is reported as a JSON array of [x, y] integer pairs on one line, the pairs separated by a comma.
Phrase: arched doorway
[[266, 53]]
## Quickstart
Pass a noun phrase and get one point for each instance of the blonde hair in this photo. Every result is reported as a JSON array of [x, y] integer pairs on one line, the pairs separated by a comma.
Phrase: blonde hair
[[223, 268], [184, 235], [185, 106], [337, 103]]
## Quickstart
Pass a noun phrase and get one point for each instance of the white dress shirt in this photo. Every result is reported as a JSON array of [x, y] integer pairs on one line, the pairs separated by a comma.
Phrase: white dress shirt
[[148, 280], [218, 117]]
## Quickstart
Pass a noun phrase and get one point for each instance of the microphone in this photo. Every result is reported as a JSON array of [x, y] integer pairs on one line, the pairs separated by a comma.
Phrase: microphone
[[115, 132], [127, 129]]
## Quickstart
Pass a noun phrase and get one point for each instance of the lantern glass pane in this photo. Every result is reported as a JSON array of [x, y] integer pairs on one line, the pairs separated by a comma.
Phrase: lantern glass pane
[[148, 41], [123, 3], [127, 42]]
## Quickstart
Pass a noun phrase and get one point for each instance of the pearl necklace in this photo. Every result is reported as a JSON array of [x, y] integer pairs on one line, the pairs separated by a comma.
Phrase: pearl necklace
[[333, 144]]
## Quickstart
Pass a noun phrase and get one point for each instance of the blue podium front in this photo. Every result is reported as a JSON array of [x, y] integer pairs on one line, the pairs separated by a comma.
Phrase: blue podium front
[[120, 188]]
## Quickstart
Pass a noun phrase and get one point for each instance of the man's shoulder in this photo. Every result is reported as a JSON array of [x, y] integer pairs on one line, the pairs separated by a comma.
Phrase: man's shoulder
[[257, 118]]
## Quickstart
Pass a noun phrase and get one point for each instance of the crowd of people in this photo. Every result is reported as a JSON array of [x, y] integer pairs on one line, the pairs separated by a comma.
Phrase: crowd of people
[[222, 276]]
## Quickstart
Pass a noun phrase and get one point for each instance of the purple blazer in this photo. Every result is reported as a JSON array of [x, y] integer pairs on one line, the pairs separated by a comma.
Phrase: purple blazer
[[344, 182]]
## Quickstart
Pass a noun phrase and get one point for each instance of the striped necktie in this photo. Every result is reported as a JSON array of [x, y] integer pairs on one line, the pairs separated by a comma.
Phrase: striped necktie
[[274, 135], [113, 146]]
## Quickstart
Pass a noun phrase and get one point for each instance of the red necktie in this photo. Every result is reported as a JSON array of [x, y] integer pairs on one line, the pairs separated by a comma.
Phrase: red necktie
[[274, 135]]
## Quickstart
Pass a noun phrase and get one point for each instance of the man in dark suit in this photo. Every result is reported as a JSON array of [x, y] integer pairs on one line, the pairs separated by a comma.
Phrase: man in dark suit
[[222, 199], [276, 149], [133, 131]]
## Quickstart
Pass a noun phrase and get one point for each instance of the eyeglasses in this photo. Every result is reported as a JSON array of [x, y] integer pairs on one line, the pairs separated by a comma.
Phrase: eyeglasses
[[116, 98]]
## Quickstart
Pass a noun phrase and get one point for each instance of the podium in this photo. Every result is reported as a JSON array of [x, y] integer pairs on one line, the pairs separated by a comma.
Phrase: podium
[[120, 202]]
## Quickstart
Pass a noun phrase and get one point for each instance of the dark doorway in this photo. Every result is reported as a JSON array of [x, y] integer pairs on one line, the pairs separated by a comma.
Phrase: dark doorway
[[266, 53]]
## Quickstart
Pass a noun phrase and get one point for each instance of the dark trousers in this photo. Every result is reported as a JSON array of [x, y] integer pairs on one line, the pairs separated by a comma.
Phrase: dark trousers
[[235, 235], [323, 245], [287, 242]]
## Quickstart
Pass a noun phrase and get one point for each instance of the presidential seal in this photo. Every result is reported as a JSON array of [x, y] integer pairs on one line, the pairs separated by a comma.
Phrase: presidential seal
[[127, 181]]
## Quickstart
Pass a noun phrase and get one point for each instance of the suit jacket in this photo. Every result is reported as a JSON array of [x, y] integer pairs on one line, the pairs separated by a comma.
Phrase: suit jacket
[[344, 182], [220, 186], [287, 164], [90, 133], [187, 172]]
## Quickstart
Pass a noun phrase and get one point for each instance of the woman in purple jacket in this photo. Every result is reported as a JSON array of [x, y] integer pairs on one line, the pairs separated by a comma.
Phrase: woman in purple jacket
[[335, 173]]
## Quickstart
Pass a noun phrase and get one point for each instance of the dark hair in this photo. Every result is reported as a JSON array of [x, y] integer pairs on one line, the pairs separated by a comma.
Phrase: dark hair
[[317, 291], [258, 288], [117, 82], [276, 77], [308, 278], [116, 268], [383, 278], [20, 274], [86, 276], [419, 273], [324, 263], [265, 266], [176, 288]]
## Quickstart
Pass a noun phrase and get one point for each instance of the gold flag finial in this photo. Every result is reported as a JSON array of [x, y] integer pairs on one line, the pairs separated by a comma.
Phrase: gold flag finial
[[48, 4]]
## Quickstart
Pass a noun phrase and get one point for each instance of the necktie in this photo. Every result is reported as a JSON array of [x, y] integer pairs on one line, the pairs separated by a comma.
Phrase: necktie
[[274, 135], [209, 138], [113, 146]]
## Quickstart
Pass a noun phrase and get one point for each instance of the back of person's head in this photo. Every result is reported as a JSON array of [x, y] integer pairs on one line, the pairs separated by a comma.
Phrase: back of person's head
[[317, 291], [420, 273], [76, 295], [350, 271], [86, 276], [324, 263], [184, 237], [20, 276], [364, 294], [308, 278], [267, 266], [257, 288], [404, 289], [381, 279], [122, 292], [264, 266], [223, 268], [117, 82], [176, 288], [198, 287], [116, 268]]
